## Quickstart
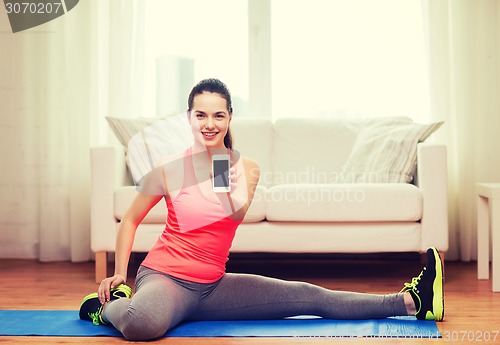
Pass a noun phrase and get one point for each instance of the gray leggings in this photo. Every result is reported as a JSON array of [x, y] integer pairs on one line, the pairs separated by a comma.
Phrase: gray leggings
[[162, 301]]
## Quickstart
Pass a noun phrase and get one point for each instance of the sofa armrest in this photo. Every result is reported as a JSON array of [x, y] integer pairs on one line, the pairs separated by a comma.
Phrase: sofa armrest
[[108, 171], [432, 179]]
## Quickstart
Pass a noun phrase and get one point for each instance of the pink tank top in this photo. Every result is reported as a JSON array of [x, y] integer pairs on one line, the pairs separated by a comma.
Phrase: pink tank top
[[198, 234]]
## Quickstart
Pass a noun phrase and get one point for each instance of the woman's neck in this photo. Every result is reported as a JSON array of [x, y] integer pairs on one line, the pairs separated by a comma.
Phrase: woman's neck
[[200, 149]]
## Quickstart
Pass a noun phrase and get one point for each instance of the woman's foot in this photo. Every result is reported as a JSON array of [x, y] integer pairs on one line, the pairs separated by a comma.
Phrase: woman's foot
[[427, 289], [91, 307]]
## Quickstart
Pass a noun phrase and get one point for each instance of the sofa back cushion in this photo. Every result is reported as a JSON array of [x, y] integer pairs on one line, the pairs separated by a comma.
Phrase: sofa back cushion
[[148, 141], [253, 137], [311, 150], [387, 153], [315, 150]]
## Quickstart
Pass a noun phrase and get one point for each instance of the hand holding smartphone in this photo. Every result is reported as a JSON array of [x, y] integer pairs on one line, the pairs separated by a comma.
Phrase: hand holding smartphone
[[220, 168]]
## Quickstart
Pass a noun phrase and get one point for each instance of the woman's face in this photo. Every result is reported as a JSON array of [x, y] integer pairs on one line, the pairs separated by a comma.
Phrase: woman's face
[[209, 119]]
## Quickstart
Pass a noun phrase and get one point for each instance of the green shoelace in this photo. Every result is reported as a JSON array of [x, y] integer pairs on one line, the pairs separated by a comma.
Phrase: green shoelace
[[96, 317]]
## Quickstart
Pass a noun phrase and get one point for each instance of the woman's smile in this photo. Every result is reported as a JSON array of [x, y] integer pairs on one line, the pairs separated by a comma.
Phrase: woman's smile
[[209, 135]]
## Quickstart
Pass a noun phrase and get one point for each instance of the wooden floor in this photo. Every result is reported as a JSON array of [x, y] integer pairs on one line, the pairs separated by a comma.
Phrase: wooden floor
[[472, 311]]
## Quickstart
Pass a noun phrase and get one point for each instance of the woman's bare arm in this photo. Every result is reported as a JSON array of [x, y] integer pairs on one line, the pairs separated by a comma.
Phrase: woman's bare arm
[[136, 212]]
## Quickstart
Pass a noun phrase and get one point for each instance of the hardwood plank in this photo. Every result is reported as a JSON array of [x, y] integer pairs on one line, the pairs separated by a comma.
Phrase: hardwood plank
[[472, 310]]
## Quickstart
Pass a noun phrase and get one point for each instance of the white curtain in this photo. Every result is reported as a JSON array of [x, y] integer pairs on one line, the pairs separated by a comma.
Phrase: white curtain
[[463, 38], [57, 81]]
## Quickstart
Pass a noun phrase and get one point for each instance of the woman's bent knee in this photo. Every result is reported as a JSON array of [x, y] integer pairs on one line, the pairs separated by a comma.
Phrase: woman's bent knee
[[143, 328], [137, 332]]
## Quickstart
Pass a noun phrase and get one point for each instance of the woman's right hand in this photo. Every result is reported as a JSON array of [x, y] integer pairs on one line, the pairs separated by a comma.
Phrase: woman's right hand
[[104, 291]]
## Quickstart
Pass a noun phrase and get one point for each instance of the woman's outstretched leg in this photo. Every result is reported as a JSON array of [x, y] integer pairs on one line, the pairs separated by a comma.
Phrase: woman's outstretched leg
[[243, 296]]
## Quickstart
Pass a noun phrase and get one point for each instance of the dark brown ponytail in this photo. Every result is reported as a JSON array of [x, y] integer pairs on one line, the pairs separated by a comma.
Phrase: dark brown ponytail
[[228, 140]]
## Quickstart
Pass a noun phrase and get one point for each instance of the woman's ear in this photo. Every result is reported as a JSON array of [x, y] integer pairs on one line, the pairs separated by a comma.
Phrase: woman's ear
[[188, 115]]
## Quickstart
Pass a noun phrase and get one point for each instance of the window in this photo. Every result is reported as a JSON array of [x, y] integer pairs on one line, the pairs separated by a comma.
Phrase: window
[[359, 58], [186, 41]]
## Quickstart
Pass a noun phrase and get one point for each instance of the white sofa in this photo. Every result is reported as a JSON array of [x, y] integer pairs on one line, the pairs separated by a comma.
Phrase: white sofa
[[304, 202]]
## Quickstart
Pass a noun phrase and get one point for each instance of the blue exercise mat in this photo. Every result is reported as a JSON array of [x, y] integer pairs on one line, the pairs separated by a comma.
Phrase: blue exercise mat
[[66, 323]]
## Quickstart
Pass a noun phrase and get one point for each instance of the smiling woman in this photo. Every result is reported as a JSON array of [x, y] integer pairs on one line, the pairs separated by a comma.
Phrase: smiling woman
[[183, 276]]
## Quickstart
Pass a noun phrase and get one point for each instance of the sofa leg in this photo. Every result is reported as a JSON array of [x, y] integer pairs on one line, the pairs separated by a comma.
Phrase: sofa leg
[[101, 265]]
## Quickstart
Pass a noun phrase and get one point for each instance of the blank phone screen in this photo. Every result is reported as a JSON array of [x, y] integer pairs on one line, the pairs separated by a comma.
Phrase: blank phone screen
[[221, 173]]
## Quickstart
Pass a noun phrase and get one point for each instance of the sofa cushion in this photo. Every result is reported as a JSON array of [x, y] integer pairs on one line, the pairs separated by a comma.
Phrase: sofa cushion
[[325, 237], [253, 138], [150, 140], [257, 210], [315, 150], [344, 202], [386, 152], [125, 128], [124, 196]]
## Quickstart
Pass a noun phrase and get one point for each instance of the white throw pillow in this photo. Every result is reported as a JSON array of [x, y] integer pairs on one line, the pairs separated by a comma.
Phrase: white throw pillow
[[150, 140], [125, 129], [386, 153]]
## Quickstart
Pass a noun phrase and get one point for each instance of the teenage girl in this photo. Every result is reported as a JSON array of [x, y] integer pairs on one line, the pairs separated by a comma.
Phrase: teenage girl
[[183, 276]]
